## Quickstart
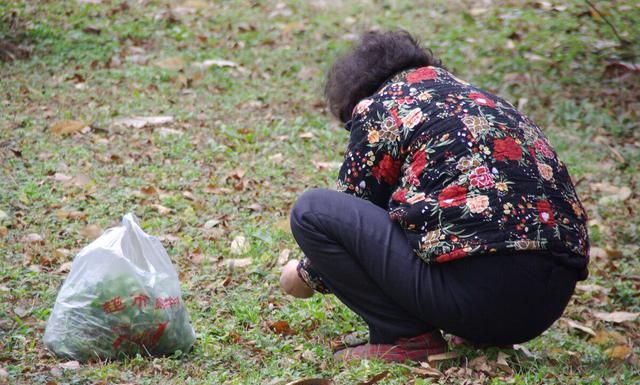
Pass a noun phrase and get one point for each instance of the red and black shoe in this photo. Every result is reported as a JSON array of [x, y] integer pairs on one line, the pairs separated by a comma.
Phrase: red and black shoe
[[405, 349]]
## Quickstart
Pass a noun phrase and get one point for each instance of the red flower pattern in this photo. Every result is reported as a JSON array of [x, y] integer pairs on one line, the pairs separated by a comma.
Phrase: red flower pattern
[[419, 162], [545, 214], [455, 254], [542, 148], [387, 170], [506, 149], [400, 195], [423, 73], [481, 178], [482, 100], [452, 196], [394, 114]]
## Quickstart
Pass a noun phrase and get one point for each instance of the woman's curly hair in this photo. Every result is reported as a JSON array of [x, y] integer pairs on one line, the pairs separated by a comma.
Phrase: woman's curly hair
[[376, 58]]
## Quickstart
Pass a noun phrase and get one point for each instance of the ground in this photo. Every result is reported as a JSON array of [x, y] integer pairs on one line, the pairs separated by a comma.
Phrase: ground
[[247, 131]]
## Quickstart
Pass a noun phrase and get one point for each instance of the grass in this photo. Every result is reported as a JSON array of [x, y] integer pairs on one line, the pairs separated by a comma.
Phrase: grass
[[252, 137]]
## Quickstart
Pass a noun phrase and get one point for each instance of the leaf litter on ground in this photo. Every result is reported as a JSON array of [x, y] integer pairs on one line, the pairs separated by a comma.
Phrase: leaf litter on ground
[[612, 227], [67, 127]]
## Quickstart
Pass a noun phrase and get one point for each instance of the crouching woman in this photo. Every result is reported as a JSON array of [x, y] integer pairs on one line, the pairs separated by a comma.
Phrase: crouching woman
[[454, 212]]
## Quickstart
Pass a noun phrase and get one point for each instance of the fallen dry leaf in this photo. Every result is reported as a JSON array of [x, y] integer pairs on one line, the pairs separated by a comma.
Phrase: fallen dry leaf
[[66, 127], [197, 257], [170, 63], [239, 262], [211, 223], [144, 121], [71, 365], [308, 355], [60, 177], [213, 233], [597, 253], [77, 215], [618, 69], [149, 190], [592, 288], [524, 350], [621, 195], [93, 29], [478, 11], [312, 381], [237, 173], [162, 210], [281, 10], [91, 231], [4, 231], [62, 214], [170, 238], [212, 189], [616, 316], [281, 327], [278, 157], [56, 372], [442, 356], [81, 180], [215, 63], [611, 192], [21, 311], [239, 245], [619, 352], [608, 337], [283, 257], [255, 207], [64, 268], [578, 326], [481, 364], [306, 135], [166, 132], [375, 379], [423, 371], [61, 253], [33, 239], [226, 281], [193, 5], [327, 165], [614, 254], [501, 362]]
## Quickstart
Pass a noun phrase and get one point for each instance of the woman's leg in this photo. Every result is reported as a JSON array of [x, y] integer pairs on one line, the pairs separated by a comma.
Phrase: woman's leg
[[366, 260], [356, 250]]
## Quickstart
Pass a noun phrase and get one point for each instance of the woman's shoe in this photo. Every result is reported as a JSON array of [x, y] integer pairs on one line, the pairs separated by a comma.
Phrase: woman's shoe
[[405, 349]]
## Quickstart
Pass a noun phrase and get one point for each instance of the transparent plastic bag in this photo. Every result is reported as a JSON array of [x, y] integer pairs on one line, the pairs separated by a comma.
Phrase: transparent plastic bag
[[121, 298]]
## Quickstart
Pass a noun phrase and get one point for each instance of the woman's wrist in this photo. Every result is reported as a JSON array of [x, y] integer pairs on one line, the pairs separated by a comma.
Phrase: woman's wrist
[[310, 276]]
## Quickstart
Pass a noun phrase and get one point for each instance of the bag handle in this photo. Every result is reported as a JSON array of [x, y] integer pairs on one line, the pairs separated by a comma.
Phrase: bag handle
[[136, 245]]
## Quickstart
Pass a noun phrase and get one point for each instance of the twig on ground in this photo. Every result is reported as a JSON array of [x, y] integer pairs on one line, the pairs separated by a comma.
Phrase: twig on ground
[[622, 41]]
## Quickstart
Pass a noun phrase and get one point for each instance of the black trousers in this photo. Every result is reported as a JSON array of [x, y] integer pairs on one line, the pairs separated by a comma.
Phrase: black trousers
[[365, 259]]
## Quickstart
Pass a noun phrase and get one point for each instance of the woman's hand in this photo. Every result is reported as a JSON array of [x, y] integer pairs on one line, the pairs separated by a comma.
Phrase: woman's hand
[[292, 284]]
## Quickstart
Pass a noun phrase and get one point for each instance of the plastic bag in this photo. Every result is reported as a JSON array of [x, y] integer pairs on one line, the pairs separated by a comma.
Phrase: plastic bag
[[121, 298]]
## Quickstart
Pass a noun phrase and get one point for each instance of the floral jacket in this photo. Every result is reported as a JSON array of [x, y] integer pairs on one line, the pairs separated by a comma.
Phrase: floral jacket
[[462, 171]]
